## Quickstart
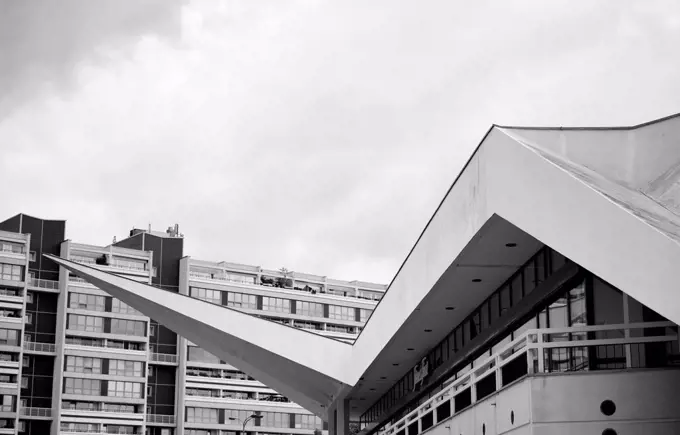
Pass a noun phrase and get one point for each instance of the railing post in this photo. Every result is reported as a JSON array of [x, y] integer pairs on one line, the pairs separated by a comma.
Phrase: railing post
[[498, 372], [473, 387], [540, 353], [626, 332]]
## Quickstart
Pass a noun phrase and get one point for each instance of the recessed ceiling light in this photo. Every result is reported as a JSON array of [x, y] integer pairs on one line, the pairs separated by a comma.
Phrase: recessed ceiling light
[[476, 280], [410, 349], [450, 308], [511, 245], [428, 330]]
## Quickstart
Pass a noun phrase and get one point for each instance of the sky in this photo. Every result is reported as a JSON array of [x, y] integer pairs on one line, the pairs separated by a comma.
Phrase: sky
[[314, 135]]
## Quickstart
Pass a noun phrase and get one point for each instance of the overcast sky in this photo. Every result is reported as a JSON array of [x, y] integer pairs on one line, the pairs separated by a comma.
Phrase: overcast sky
[[315, 135]]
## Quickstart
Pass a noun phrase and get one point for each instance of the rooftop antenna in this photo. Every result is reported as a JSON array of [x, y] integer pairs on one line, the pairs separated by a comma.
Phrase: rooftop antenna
[[149, 227]]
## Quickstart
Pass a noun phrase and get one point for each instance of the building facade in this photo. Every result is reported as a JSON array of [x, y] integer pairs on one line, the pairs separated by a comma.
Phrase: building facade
[[541, 298], [75, 360]]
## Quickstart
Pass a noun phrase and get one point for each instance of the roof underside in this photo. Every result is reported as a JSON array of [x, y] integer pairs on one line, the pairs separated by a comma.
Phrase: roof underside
[[607, 199]]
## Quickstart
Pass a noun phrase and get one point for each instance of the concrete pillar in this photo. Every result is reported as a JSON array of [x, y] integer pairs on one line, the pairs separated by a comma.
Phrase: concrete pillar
[[338, 418]]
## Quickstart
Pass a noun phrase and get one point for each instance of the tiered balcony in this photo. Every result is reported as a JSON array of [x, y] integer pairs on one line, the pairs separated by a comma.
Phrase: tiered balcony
[[540, 352], [160, 420], [46, 285], [163, 358], [36, 413], [40, 348]]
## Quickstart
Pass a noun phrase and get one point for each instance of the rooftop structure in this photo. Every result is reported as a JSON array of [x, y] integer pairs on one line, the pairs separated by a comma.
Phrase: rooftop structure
[[555, 251]]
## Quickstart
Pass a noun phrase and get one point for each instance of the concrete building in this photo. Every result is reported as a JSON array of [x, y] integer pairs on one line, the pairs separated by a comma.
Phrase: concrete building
[[75, 360], [541, 298]]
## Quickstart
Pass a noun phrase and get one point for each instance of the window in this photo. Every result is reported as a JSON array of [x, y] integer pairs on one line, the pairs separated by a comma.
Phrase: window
[[276, 304], [149, 391], [208, 295], [150, 370], [24, 382], [85, 387], [15, 248], [152, 330], [78, 322], [80, 364], [202, 415], [196, 354], [364, 314], [81, 301], [9, 337], [26, 361], [341, 313], [311, 309], [128, 327], [118, 306], [240, 300], [28, 318], [11, 272], [29, 297], [31, 256], [126, 368], [124, 389]]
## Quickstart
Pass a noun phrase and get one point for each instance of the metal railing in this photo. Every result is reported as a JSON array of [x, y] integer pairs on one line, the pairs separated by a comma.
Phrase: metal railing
[[36, 412], [159, 418], [537, 350], [163, 357], [35, 346], [44, 283]]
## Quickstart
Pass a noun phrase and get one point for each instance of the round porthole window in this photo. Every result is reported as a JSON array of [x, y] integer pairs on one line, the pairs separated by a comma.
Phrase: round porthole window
[[607, 407]]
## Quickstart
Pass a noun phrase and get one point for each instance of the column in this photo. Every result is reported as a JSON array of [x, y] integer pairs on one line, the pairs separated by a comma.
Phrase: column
[[338, 418]]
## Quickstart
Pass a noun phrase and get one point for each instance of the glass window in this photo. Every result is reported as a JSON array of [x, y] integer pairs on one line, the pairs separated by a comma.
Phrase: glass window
[[11, 272], [276, 304], [240, 300]]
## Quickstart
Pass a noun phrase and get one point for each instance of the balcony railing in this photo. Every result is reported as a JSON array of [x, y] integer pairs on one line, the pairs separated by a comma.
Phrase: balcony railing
[[36, 412], [6, 408], [163, 357], [328, 293], [162, 419], [33, 346], [44, 283], [537, 348]]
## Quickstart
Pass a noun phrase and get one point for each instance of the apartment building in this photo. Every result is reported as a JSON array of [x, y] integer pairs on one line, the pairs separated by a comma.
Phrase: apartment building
[[75, 360]]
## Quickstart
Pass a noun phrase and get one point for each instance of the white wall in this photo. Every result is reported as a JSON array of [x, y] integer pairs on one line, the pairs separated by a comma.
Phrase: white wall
[[647, 403]]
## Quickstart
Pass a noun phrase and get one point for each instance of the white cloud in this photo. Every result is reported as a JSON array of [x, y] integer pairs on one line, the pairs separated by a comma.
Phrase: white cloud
[[314, 135]]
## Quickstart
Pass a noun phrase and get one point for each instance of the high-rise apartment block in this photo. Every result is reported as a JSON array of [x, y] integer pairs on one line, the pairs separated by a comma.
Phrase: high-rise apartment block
[[75, 360]]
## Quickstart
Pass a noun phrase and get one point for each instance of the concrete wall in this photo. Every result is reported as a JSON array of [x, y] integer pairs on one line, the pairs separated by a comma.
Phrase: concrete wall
[[647, 403]]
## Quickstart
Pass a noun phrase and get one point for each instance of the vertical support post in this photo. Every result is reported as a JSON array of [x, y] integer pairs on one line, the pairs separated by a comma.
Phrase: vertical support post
[[626, 332], [540, 353], [342, 418], [498, 372]]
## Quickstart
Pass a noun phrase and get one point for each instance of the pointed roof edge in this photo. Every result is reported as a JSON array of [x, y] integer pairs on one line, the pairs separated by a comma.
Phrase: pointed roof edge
[[624, 128]]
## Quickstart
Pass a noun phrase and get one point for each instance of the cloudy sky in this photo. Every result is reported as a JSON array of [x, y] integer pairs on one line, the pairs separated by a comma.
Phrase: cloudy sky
[[315, 135]]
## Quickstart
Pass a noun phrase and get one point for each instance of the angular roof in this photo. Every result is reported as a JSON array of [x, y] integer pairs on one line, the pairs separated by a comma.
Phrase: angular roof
[[609, 199]]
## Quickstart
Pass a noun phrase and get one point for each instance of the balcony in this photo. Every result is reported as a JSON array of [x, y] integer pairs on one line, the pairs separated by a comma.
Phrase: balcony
[[290, 290], [160, 419], [540, 352], [44, 284], [37, 347], [163, 358], [42, 413]]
